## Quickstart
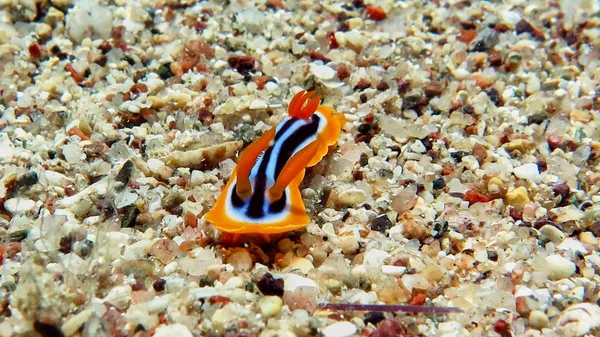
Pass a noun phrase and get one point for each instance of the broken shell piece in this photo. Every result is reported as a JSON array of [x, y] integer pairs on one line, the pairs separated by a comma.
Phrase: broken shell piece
[[344, 196], [579, 319], [204, 157]]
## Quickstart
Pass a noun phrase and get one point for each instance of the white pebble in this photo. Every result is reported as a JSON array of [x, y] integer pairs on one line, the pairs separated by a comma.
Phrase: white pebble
[[528, 171], [170, 330], [322, 72], [155, 164], [554, 234], [19, 205], [89, 19], [126, 199], [512, 17], [197, 178], [138, 250], [415, 281], [293, 281], [339, 329], [271, 86], [74, 323], [533, 84], [558, 267], [119, 296], [56, 179], [73, 153], [574, 245], [351, 197], [418, 147], [393, 270], [258, 104]]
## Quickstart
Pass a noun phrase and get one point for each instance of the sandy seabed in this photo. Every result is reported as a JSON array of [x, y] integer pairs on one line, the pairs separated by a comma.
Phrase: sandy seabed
[[467, 174]]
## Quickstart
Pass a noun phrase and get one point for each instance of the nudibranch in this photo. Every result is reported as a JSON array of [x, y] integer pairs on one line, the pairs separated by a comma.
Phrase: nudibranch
[[263, 194]]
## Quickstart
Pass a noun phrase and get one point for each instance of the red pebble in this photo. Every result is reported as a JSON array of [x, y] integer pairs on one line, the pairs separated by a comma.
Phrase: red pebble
[[333, 44], [375, 13], [474, 197], [35, 50], [219, 299], [418, 299], [554, 141], [260, 82], [466, 35], [503, 328]]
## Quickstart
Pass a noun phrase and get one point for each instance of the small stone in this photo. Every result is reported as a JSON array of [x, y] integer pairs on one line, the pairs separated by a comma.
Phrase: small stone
[[557, 267], [302, 297], [241, 260], [496, 188], [538, 319], [351, 197], [418, 147], [533, 84], [155, 165], [258, 104], [521, 145], [171, 330], [573, 245], [391, 327], [164, 250], [373, 317], [416, 281], [130, 215], [473, 197], [529, 171], [323, 72], [433, 89], [595, 228], [517, 197], [582, 116], [349, 244], [242, 63], [433, 273], [554, 234], [438, 184], [159, 285], [270, 286], [414, 229], [28, 179], [405, 200], [125, 173], [19, 205], [119, 296], [342, 71], [270, 306], [393, 270], [538, 118], [334, 286], [73, 153], [381, 224], [339, 329], [563, 190], [74, 323], [485, 40], [579, 319], [585, 237], [300, 264]]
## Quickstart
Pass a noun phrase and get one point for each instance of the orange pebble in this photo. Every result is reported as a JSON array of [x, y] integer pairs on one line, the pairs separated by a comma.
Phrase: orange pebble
[[375, 13]]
